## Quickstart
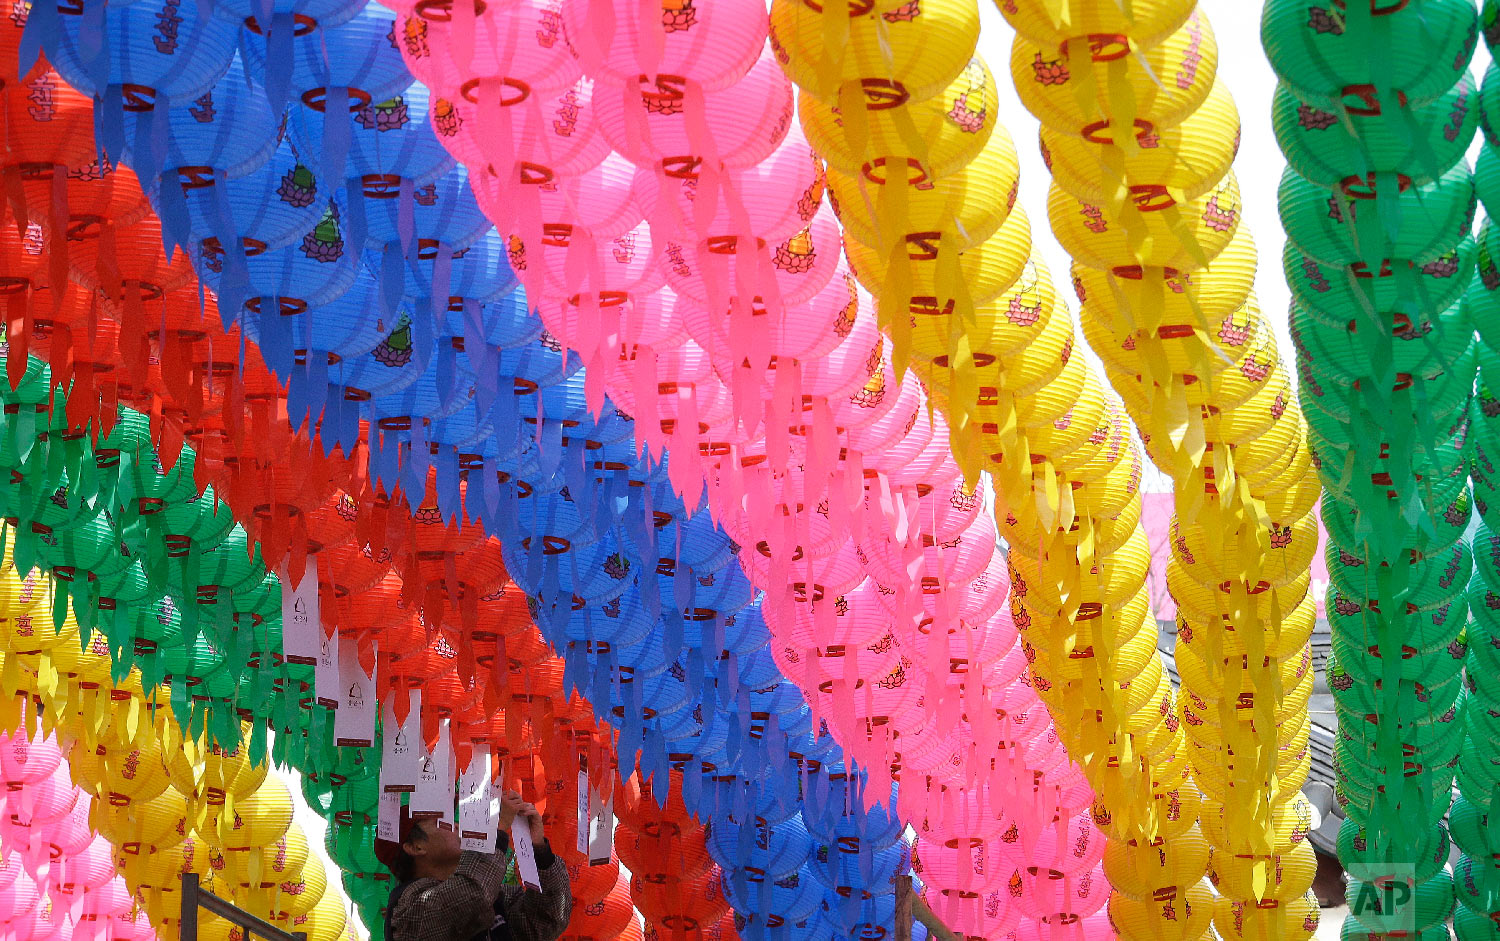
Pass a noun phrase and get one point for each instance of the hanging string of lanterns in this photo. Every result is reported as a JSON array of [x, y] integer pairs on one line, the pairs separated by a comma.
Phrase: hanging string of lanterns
[[729, 114], [166, 801], [1377, 204], [57, 875], [1475, 875], [997, 364], [1163, 270]]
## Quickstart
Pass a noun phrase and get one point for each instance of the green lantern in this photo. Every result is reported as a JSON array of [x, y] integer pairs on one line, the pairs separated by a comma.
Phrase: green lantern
[[1470, 925], [1430, 855], [1342, 148], [1364, 57], [1337, 297], [1431, 907], [1365, 227]]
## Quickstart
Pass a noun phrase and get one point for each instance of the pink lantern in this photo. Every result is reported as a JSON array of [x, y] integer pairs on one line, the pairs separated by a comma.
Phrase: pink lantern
[[769, 509], [1066, 928], [76, 876], [19, 900], [949, 562], [23, 761], [938, 756], [810, 579], [514, 151], [856, 618], [1069, 846], [893, 430], [106, 911], [709, 44], [969, 865], [564, 263], [35, 808], [813, 330], [619, 319], [71, 834], [673, 393], [719, 267], [771, 200], [980, 813], [449, 45], [601, 200], [665, 120], [1051, 894], [132, 926]]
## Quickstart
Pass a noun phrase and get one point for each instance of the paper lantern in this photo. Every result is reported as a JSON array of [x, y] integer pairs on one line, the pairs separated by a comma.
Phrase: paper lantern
[[1327, 63], [907, 53]]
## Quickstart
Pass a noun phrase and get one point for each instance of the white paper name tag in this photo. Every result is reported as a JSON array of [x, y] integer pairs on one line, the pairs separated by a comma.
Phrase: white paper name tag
[[326, 673], [354, 722], [584, 794], [520, 838], [601, 828], [301, 623], [401, 745], [478, 804], [434, 794], [388, 816]]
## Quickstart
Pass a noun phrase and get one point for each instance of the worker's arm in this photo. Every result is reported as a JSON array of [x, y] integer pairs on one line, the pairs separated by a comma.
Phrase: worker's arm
[[533, 915], [540, 916], [452, 909]]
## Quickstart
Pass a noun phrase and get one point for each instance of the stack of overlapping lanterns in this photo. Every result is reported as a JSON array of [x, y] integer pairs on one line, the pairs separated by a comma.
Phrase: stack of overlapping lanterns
[[281, 515], [950, 264], [57, 876], [1476, 877], [167, 800], [1374, 113], [1139, 132], [760, 368]]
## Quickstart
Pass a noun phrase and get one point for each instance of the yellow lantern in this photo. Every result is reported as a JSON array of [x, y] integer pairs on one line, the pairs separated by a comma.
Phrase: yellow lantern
[[1289, 876], [1178, 911], [1069, 92], [987, 269], [146, 825], [324, 923], [1294, 919], [1283, 556], [889, 57], [256, 820], [1144, 294], [953, 126], [1179, 161], [968, 205], [213, 770], [1189, 345], [1292, 821], [161, 868], [1145, 867], [1146, 22], [1150, 233], [1001, 328], [1288, 618], [114, 769]]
